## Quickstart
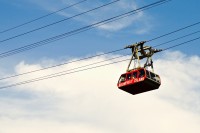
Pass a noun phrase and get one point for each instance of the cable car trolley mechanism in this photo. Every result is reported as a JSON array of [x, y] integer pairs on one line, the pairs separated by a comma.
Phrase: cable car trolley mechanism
[[140, 79]]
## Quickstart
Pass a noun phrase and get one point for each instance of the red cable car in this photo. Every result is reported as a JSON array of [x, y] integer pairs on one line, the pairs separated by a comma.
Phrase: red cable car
[[140, 79]]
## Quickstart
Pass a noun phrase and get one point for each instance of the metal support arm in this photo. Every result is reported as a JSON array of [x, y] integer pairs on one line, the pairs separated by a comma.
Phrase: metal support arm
[[139, 51]]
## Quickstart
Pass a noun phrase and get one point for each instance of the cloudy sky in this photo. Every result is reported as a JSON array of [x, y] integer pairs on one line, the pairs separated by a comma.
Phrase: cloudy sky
[[89, 101]]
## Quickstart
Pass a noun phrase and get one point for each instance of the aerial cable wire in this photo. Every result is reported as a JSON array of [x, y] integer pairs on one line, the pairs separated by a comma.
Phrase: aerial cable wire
[[183, 43], [73, 61], [75, 71], [178, 38], [70, 33], [59, 65], [48, 25], [65, 63], [91, 64], [183, 28], [148, 41], [61, 74], [44, 16], [127, 15]]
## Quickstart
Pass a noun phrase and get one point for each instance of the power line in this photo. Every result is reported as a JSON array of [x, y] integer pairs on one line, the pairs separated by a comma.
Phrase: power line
[[70, 33], [44, 16], [46, 77], [71, 72], [43, 78], [181, 43], [91, 64], [65, 63], [121, 17], [177, 38], [25, 33], [183, 28]]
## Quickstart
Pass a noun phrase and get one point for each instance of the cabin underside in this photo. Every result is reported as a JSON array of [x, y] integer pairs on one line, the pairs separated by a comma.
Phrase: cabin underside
[[140, 87]]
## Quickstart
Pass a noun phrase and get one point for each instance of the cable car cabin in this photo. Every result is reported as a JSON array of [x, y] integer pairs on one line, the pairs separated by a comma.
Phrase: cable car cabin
[[139, 81]]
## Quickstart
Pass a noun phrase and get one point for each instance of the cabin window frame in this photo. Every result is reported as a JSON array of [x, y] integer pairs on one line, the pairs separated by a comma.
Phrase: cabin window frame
[[134, 75], [124, 76], [139, 72], [128, 76]]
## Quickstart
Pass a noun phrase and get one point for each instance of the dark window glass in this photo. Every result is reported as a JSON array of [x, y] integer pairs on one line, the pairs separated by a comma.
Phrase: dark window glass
[[122, 78], [141, 73], [153, 76], [134, 75], [128, 76], [156, 78], [148, 74]]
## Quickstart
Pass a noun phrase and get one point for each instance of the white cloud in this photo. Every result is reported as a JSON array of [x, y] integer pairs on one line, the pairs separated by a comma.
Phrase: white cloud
[[185, 78], [32, 126], [90, 101], [140, 21]]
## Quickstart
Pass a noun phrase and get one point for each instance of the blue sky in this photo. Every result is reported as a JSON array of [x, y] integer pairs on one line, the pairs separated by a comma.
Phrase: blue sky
[[151, 23], [90, 101]]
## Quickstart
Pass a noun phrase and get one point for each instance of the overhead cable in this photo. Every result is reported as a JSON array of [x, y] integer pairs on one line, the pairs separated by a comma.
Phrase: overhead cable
[[44, 16], [73, 32], [75, 71], [183, 43], [183, 28], [65, 63], [177, 38], [62, 74], [25, 33]]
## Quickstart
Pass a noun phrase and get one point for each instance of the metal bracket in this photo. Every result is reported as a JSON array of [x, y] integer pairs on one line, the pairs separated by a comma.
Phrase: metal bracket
[[139, 52]]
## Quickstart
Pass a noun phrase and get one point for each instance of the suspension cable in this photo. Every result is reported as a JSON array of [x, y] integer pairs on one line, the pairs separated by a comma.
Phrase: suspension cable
[[22, 34], [62, 74], [183, 43], [178, 38], [44, 16], [183, 28], [65, 63], [75, 71], [70, 33]]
